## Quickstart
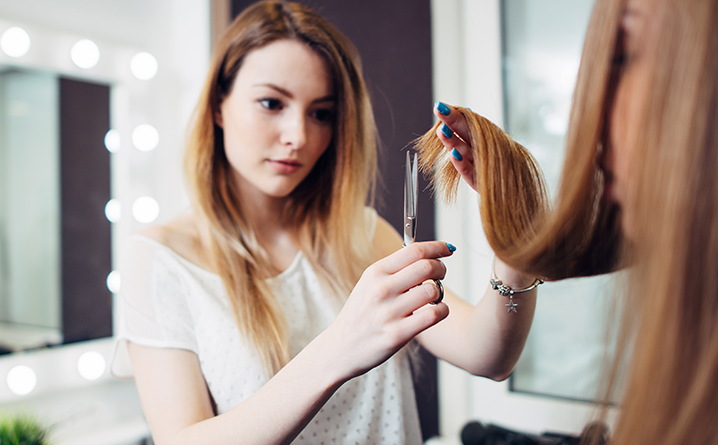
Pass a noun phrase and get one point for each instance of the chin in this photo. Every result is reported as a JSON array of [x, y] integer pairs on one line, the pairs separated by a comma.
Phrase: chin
[[280, 193]]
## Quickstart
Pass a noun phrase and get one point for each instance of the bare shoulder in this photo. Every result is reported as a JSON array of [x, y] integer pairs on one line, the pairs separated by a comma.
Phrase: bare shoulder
[[182, 235], [386, 239]]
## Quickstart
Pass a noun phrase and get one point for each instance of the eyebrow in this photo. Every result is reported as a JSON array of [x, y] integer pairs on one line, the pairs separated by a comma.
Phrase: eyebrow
[[285, 92]]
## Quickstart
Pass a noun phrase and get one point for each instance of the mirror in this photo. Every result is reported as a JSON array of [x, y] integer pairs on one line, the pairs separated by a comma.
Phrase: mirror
[[566, 350], [55, 244], [78, 306], [29, 211]]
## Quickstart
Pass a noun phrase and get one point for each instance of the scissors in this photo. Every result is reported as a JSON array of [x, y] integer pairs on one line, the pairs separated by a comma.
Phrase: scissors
[[411, 184]]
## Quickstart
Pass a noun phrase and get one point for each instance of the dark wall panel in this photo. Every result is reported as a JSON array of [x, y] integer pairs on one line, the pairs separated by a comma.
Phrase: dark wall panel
[[86, 240]]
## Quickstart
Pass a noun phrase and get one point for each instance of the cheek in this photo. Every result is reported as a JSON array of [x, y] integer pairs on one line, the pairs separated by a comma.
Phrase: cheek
[[323, 137], [240, 135]]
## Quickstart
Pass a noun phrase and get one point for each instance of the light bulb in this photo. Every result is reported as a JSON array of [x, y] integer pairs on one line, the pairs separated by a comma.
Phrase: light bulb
[[85, 53], [143, 65], [113, 210], [113, 281], [145, 209], [15, 42], [145, 137], [112, 141], [21, 380], [91, 365]]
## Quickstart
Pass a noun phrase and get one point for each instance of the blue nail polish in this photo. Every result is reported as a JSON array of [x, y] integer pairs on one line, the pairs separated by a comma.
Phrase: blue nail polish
[[455, 153], [446, 130], [443, 109], [451, 247]]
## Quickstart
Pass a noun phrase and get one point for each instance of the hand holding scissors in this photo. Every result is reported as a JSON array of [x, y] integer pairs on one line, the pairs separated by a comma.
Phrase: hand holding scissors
[[411, 184]]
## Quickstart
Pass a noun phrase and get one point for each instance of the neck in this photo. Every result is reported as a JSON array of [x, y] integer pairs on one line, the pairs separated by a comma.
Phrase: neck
[[266, 215]]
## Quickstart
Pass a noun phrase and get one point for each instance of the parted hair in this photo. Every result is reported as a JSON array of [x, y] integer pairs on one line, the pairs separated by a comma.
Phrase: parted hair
[[669, 331], [326, 210]]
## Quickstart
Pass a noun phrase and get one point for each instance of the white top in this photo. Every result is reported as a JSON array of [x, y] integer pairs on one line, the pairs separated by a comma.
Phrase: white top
[[169, 302]]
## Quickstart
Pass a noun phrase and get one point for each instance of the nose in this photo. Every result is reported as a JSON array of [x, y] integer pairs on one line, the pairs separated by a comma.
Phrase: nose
[[294, 130]]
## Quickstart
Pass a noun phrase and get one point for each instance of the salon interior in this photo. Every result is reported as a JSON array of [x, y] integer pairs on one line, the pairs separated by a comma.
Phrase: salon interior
[[95, 98]]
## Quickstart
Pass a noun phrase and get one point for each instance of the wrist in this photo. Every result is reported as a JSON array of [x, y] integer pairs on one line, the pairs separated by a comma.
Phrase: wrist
[[326, 357], [510, 276], [505, 289]]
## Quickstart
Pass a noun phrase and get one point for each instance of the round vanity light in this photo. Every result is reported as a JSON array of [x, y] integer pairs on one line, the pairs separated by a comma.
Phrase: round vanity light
[[113, 281], [113, 210], [145, 137], [21, 380], [143, 66], [112, 141], [91, 365], [85, 53], [15, 42], [145, 209]]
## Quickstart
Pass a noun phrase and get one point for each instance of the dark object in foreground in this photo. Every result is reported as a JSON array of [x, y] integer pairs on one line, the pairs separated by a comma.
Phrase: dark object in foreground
[[474, 433]]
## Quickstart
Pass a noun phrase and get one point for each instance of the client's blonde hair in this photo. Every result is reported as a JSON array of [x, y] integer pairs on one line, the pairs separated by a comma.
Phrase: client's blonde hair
[[670, 333]]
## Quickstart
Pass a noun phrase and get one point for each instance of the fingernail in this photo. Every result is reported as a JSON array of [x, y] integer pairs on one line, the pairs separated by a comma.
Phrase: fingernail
[[447, 131], [455, 153], [451, 247], [443, 109]]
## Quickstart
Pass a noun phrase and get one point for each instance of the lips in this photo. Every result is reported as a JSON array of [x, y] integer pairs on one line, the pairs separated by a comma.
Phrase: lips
[[285, 166]]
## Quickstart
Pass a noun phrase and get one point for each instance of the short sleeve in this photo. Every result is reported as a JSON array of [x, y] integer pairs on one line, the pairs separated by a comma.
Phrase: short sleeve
[[152, 305]]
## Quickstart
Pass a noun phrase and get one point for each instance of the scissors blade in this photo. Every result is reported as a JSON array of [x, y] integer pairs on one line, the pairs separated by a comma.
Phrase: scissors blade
[[415, 183], [410, 194]]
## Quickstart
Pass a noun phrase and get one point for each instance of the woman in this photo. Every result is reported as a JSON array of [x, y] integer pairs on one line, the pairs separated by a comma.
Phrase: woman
[[639, 189], [277, 310]]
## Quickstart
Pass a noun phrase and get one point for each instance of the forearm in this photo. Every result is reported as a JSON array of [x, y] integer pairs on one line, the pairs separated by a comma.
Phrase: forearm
[[499, 329], [275, 414], [485, 339]]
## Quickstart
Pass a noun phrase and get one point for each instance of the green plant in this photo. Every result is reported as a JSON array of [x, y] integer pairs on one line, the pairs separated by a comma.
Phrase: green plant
[[22, 429]]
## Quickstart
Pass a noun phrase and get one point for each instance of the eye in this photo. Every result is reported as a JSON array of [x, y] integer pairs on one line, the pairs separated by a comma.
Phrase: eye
[[324, 115], [271, 104]]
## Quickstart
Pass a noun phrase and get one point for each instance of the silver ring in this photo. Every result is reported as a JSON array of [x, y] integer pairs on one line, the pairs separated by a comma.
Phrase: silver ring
[[441, 291]]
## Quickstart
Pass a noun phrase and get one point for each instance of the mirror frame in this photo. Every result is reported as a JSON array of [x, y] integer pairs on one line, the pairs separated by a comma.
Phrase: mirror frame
[[55, 368]]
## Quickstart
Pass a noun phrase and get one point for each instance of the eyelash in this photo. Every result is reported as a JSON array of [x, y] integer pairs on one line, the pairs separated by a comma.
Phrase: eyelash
[[323, 115], [271, 104]]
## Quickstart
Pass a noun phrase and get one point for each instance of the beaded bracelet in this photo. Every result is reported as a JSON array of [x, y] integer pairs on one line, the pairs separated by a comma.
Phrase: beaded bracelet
[[507, 291]]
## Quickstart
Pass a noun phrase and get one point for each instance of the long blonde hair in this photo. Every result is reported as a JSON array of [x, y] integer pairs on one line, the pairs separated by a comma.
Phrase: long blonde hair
[[325, 212], [670, 333]]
